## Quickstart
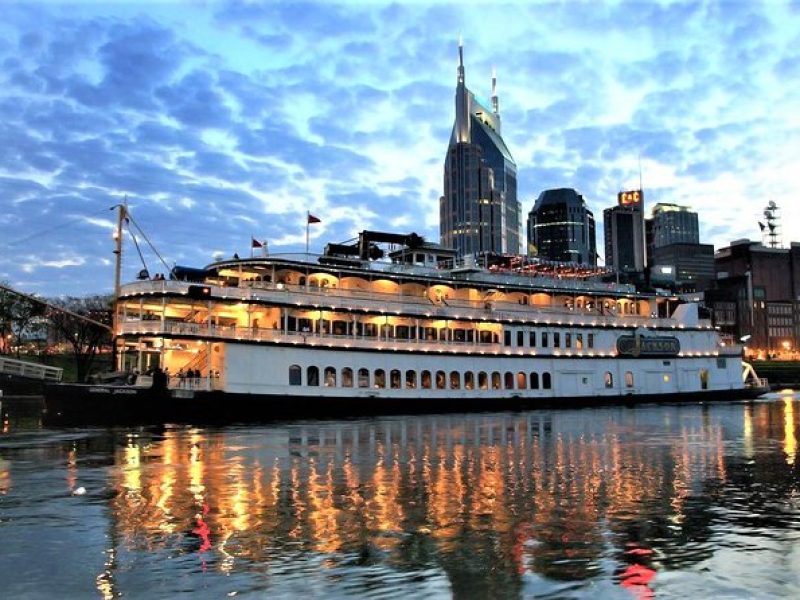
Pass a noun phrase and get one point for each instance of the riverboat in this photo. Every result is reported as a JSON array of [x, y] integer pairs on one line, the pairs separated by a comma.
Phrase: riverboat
[[354, 331]]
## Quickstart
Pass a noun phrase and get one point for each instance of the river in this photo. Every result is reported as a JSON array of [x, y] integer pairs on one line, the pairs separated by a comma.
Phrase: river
[[654, 501]]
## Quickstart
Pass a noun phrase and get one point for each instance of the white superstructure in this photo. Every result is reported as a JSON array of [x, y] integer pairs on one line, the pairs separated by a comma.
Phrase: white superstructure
[[328, 327]]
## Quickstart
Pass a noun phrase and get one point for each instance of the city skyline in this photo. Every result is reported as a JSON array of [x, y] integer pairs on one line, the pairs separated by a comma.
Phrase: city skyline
[[226, 120]]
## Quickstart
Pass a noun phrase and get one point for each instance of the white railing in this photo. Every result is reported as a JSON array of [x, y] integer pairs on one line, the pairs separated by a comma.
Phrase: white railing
[[31, 370], [422, 306]]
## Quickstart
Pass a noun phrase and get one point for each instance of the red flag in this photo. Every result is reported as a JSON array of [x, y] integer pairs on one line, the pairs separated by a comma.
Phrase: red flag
[[257, 244], [313, 219]]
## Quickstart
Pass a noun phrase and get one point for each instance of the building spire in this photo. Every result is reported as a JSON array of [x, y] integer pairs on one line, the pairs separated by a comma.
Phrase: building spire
[[495, 101], [460, 59], [462, 128]]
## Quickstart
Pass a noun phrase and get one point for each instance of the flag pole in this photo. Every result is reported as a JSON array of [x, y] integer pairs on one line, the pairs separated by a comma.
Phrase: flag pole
[[308, 223], [251, 245]]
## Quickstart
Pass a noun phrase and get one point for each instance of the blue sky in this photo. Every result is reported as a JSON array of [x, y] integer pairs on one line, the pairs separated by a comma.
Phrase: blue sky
[[222, 120]]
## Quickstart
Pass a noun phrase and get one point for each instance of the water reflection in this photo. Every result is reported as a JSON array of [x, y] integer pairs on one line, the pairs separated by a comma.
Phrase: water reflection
[[610, 502]]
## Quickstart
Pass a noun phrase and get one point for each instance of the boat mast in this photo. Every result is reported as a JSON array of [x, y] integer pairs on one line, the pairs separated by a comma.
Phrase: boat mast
[[122, 213]]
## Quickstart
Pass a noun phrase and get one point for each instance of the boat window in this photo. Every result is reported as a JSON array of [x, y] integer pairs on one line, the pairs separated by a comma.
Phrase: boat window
[[608, 379], [380, 378], [508, 380], [305, 325], [520, 339], [579, 341], [545, 340], [440, 380], [485, 337], [628, 379], [495, 380], [483, 380], [443, 334], [546, 381], [455, 380], [340, 327], [459, 335], [312, 376], [471, 336], [534, 380], [411, 379], [469, 380], [703, 379], [394, 379], [426, 380], [556, 339], [402, 332], [506, 338], [387, 331], [567, 340], [325, 325], [330, 377], [295, 375], [590, 340], [363, 378], [347, 377], [370, 330], [722, 363], [291, 324], [532, 339], [522, 382], [430, 333]]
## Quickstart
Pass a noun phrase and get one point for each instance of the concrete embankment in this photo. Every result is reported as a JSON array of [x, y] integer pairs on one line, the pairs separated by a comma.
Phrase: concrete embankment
[[780, 373]]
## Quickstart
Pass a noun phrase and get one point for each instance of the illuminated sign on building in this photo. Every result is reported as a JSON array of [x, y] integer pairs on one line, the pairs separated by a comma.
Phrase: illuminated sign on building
[[630, 198]]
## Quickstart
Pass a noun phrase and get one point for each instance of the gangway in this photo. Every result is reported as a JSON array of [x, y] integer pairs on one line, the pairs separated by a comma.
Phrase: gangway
[[30, 370]]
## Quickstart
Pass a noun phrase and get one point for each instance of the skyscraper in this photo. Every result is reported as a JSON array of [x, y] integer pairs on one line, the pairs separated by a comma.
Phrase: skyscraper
[[625, 233], [561, 228], [479, 211], [674, 224]]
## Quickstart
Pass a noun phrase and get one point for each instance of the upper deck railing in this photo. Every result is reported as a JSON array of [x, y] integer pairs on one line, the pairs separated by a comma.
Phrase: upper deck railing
[[329, 298]]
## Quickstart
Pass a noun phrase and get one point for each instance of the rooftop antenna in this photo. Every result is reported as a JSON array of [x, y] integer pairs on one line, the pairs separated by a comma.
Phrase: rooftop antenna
[[771, 232]]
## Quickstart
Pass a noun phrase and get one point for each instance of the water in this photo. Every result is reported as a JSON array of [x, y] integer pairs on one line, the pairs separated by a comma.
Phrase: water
[[689, 501]]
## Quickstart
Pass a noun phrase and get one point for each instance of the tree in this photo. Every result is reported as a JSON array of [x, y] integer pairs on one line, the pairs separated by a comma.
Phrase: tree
[[20, 316], [79, 326]]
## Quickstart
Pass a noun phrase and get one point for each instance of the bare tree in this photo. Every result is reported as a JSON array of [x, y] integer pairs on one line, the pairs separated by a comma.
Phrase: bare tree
[[74, 325]]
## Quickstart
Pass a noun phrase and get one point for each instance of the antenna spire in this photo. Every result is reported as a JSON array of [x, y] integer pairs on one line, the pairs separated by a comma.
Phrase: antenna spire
[[495, 101]]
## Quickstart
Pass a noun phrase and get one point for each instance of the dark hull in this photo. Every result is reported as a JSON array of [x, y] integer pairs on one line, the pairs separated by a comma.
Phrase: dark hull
[[84, 405]]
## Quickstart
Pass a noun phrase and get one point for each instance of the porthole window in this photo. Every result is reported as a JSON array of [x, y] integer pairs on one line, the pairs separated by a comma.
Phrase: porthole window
[[483, 381], [295, 375], [363, 378], [628, 379], [440, 380], [347, 377], [469, 380], [522, 382], [312, 376], [380, 378], [508, 380], [426, 380], [411, 379], [496, 380], [455, 380], [394, 379]]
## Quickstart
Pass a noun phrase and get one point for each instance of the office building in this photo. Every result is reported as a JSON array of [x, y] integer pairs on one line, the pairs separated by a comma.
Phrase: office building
[[674, 224], [625, 233], [479, 212], [561, 228], [757, 296]]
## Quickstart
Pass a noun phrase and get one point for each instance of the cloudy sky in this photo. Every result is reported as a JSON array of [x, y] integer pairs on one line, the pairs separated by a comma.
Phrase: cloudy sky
[[225, 120]]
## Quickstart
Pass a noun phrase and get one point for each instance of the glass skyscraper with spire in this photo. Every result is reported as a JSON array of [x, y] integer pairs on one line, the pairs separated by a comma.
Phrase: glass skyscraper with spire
[[479, 212]]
